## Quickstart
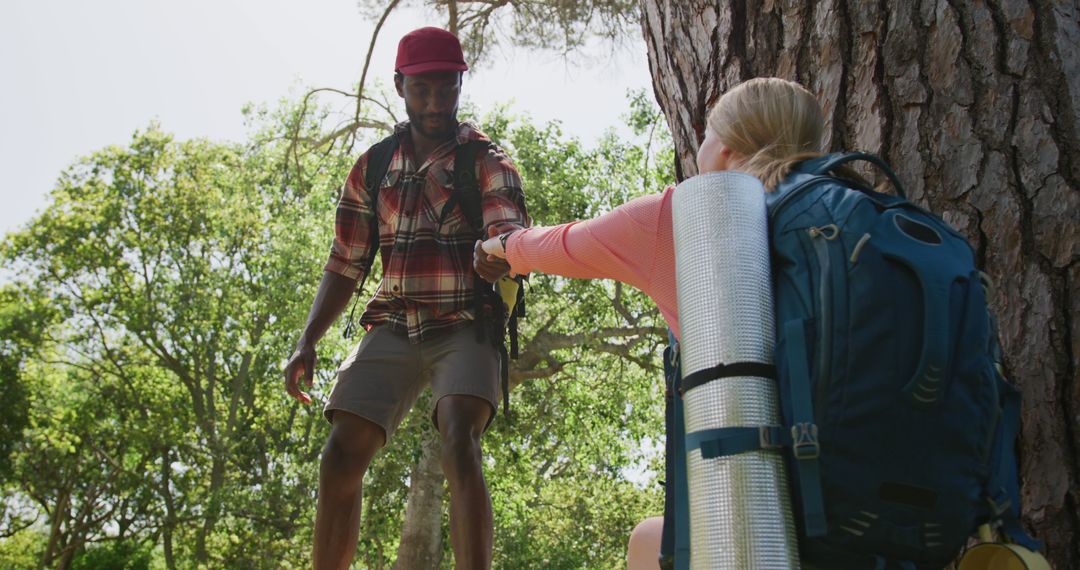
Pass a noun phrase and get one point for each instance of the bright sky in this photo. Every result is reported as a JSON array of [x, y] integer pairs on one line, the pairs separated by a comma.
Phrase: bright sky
[[76, 76]]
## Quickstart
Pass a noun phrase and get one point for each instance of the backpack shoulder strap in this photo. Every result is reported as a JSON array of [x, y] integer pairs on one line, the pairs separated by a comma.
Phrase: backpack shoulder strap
[[379, 157], [820, 170], [467, 195], [466, 186]]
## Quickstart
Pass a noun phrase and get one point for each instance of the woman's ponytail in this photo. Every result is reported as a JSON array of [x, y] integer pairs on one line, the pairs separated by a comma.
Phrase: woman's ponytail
[[771, 124]]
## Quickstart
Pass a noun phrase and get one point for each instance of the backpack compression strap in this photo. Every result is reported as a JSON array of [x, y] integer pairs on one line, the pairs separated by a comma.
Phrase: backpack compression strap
[[379, 157], [1004, 485], [706, 375], [801, 436]]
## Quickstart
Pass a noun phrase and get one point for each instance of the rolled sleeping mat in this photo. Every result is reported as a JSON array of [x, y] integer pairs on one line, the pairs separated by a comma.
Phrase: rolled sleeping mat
[[740, 508]]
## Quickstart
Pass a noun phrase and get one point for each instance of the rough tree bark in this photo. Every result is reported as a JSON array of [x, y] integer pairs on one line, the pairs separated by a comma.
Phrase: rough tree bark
[[977, 106]]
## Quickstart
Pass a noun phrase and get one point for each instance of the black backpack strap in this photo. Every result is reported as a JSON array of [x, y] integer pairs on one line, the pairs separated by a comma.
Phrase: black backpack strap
[[467, 196], [378, 163], [466, 186], [379, 157], [519, 313]]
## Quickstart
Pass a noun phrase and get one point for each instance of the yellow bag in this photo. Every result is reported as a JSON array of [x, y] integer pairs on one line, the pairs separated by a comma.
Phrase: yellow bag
[[508, 290], [1000, 556]]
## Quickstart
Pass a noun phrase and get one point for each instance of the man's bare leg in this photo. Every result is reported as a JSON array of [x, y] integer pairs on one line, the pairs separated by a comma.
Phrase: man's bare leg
[[461, 423], [352, 443]]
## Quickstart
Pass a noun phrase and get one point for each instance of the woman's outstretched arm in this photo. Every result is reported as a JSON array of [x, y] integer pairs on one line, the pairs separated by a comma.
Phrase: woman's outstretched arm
[[620, 244]]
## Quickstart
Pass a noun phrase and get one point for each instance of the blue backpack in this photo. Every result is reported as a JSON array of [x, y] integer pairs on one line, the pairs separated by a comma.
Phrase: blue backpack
[[899, 425]]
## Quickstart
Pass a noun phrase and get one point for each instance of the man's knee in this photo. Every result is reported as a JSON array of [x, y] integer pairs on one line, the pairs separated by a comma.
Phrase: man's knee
[[460, 449], [461, 421], [352, 444], [643, 551]]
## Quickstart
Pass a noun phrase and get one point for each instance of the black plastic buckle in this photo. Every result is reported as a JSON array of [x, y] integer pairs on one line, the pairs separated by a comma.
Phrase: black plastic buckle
[[805, 441]]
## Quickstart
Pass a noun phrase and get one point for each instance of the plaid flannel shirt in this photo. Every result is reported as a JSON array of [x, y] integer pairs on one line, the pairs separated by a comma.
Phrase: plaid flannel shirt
[[427, 281]]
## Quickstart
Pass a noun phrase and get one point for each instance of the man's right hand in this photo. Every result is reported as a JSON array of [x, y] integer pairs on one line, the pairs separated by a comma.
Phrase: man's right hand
[[334, 293], [301, 364]]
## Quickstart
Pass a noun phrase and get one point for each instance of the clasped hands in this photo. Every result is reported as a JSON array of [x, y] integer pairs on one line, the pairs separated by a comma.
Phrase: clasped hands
[[489, 258]]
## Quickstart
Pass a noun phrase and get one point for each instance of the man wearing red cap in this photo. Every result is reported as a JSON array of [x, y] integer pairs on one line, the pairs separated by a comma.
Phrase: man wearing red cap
[[422, 322]]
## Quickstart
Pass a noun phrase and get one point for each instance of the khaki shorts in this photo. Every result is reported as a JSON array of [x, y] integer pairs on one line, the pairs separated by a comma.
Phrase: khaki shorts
[[382, 378]]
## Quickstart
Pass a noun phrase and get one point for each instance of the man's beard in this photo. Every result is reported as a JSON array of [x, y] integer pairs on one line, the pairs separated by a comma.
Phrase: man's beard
[[446, 129]]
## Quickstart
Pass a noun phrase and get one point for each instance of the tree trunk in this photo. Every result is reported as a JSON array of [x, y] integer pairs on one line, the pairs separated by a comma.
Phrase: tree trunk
[[169, 522], [60, 516], [421, 534], [67, 556], [976, 106], [213, 502]]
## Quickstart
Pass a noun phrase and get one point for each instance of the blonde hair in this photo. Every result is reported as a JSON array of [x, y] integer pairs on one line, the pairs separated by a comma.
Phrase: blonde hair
[[771, 124]]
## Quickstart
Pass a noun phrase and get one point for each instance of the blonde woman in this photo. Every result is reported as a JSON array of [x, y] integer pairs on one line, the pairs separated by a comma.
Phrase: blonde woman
[[763, 126]]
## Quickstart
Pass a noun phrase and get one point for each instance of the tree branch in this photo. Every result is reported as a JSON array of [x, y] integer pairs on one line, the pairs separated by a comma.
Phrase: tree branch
[[620, 307], [367, 60]]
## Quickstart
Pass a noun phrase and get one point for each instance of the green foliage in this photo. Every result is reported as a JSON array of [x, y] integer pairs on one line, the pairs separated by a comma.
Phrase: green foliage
[[162, 289], [24, 318], [114, 556], [22, 550]]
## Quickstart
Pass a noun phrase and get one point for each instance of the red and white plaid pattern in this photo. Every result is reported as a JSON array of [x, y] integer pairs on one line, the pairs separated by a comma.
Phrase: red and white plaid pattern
[[427, 282]]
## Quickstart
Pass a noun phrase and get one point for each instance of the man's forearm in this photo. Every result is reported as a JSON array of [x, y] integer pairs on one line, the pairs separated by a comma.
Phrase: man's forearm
[[335, 290]]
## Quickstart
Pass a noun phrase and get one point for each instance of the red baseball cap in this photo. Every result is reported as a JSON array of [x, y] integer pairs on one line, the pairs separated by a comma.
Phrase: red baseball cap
[[429, 49]]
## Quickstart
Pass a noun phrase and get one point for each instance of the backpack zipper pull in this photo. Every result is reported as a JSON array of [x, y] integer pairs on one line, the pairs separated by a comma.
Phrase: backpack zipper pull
[[828, 232]]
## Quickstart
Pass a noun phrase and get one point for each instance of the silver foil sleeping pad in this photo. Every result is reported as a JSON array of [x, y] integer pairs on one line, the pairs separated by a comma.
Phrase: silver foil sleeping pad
[[740, 510]]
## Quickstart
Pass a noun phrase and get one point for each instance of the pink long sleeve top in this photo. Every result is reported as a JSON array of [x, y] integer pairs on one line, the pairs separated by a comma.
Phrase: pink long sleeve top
[[632, 243]]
